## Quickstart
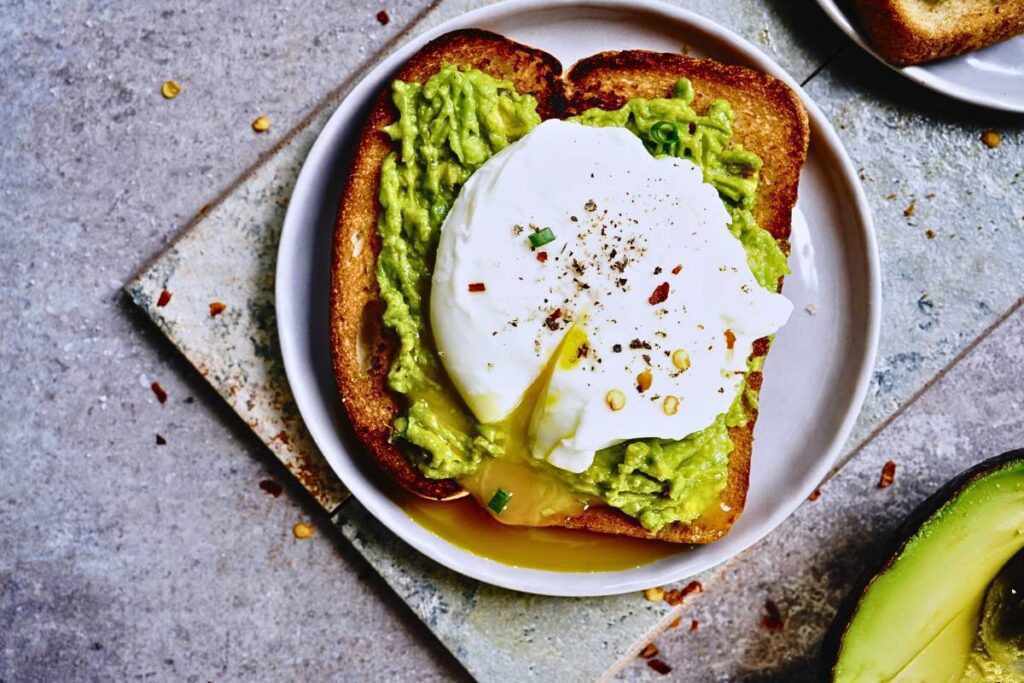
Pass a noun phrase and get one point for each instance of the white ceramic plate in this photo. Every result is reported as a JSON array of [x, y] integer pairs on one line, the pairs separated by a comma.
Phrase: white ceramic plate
[[993, 77], [815, 376]]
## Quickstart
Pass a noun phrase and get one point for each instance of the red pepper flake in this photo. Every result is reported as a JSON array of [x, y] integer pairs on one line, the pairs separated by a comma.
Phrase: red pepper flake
[[272, 487], [694, 625], [730, 339], [477, 287], [216, 308], [160, 441], [649, 651], [659, 295], [542, 256], [163, 299], [552, 320], [888, 474], [676, 595], [678, 269], [161, 395], [383, 17], [659, 666], [815, 495], [772, 619]]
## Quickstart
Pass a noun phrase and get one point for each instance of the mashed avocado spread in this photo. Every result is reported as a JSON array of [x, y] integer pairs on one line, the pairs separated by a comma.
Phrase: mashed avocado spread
[[447, 128]]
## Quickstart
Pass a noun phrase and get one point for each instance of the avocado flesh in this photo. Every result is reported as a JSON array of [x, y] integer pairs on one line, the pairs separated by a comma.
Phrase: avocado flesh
[[918, 620]]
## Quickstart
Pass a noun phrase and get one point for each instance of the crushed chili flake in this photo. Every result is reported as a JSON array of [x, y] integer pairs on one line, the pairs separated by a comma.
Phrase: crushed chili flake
[[160, 441], [161, 395], [677, 595], [888, 474], [659, 666], [655, 594], [730, 339], [583, 351], [815, 495], [911, 208], [637, 344], [542, 256], [477, 287], [659, 295], [929, 233], [163, 299], [216, 308], [772, 619], [552, 320], [272, 487], [678, 269], [383, 17], [991, 138], [649, 651], [694, 625]]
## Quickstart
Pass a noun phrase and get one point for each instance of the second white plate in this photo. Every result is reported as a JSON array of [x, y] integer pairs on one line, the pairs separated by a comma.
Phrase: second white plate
[[815, 377], [992, 77]]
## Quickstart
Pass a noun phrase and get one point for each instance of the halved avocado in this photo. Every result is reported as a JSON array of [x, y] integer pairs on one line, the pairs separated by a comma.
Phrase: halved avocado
[[917, 616]]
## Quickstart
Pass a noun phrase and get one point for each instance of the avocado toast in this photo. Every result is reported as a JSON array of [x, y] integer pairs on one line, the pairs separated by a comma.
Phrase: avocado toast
[[769, 121]]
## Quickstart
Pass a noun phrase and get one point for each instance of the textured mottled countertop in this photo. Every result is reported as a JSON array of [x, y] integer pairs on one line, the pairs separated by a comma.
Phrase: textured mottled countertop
[[122, 558]]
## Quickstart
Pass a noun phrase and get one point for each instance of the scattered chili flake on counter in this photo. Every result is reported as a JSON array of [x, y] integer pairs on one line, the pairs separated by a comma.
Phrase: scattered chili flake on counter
[[656, 594], [477, 287], [161, 395], [730, 339], [694, 625], [302, 531], [163, 299], [929, 233], [991, 138], [659, 295], [676, 595], [160, 441], [272, 487], [170, 89], [772, 619], [649, 651], [216, 308], [888, 474], [261, 124], [678, 269], [659, 666], [815, 495], [542, 256], [911, 208], [383, 18]]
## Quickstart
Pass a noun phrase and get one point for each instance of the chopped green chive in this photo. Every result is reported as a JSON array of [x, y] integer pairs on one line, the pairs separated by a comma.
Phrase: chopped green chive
[[541, 237], [499, 501], [664, 132]]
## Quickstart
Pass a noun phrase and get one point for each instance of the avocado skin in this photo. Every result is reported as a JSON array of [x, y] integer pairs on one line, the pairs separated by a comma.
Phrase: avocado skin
[[894, 547]]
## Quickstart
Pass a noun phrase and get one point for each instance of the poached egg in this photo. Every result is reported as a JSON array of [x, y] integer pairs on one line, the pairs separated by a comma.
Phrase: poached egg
[[576, 261]]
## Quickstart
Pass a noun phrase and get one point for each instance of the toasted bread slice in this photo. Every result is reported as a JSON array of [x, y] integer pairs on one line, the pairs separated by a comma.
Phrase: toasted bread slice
[[770, 121], [362, 351], [909, 32]]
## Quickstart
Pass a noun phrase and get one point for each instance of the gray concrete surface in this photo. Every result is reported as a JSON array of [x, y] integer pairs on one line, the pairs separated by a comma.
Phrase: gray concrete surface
[[122, 559]]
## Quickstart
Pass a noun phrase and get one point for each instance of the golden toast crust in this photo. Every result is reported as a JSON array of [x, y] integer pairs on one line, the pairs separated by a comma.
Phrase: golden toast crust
[[770, 121], [909, 32]]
